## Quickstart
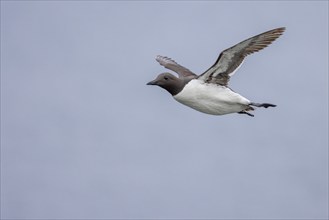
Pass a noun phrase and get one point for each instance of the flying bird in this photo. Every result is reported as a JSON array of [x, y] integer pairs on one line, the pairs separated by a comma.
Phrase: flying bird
[[209, 92]]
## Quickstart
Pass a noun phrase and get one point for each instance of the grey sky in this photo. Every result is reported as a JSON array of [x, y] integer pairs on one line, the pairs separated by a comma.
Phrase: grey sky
[[82, 136]]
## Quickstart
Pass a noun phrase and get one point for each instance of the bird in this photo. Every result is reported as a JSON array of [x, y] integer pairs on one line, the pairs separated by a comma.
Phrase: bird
[[209, 92]]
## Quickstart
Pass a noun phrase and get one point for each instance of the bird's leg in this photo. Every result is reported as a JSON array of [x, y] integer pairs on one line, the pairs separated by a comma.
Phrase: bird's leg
[[265, 105]]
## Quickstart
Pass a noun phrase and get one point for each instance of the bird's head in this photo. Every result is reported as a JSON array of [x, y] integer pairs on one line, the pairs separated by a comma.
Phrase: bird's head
[[168, 82]]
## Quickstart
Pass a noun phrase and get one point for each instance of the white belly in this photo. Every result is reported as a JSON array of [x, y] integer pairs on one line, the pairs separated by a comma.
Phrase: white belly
[[211, 99]]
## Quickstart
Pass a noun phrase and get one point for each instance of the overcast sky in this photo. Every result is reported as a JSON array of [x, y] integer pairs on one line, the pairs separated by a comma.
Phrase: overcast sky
[[82, 136]]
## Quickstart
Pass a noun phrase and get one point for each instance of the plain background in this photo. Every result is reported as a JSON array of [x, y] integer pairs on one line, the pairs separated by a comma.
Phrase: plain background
[[82, 136]]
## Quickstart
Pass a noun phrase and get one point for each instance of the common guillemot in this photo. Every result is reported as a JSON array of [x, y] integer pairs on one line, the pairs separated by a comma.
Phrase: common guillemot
[[209, 92]]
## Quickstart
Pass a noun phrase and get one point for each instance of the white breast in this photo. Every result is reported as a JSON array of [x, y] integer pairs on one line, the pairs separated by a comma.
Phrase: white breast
[[211, 99]]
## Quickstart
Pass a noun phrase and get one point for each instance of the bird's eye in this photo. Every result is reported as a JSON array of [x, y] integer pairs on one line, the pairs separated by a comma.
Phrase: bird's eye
[[166, 78]]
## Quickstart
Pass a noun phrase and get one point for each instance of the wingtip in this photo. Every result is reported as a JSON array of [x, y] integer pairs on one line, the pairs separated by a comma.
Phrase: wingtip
[[280, 30], [160, 58], [275, 32]]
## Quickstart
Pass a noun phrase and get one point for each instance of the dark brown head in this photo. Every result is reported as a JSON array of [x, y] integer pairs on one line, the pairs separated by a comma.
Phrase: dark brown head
[[169, 82]]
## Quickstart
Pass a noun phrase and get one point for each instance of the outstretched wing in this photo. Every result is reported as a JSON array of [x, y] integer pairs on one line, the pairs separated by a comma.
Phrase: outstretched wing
[[172, 65], [230, 59]]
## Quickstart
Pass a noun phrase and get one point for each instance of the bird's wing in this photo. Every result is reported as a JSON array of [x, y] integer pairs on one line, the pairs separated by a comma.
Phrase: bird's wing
[[172, 65], [230, 59]]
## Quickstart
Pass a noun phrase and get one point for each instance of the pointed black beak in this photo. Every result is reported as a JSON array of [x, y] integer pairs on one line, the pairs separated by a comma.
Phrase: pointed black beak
[[153, 82]]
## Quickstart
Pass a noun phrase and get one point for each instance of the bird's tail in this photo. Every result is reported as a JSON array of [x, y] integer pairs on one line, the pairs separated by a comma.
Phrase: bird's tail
[[245, 111]]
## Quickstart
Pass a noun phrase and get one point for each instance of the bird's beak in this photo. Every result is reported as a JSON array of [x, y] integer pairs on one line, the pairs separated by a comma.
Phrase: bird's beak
[[153, 82]]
